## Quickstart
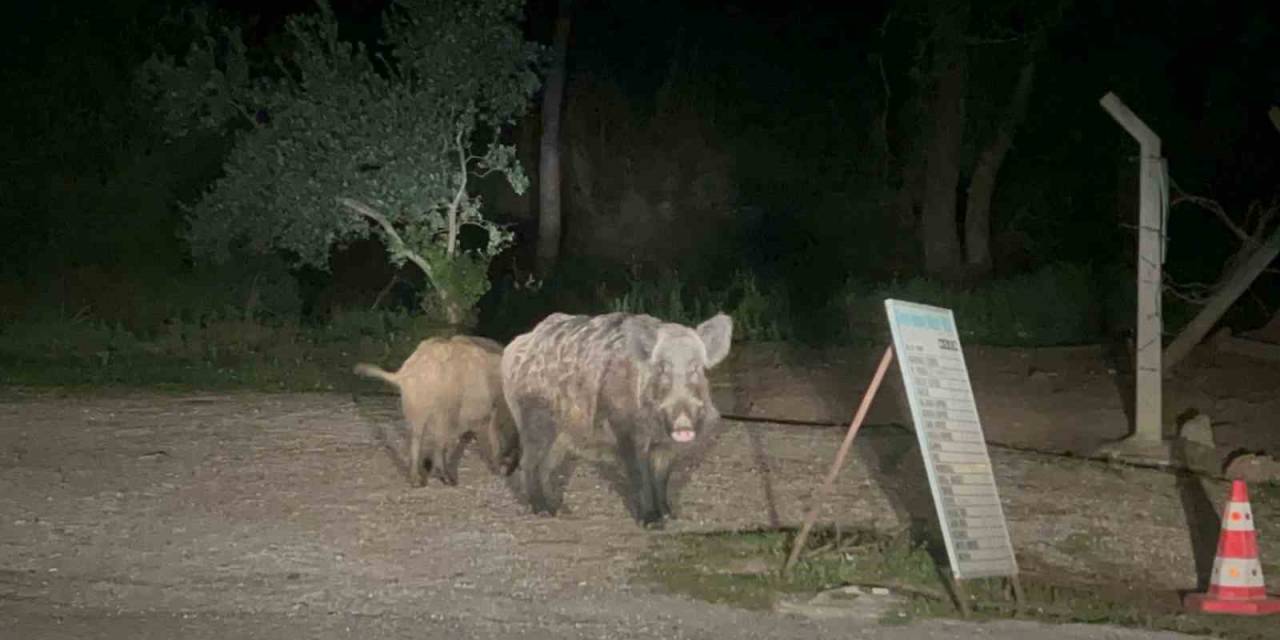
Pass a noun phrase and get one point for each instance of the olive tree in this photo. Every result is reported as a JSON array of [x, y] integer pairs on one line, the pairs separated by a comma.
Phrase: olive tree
[[335, 139]]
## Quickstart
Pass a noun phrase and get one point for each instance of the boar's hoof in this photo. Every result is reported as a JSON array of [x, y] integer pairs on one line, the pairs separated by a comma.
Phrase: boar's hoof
[[541, 507], [509, 466], [653, 521]]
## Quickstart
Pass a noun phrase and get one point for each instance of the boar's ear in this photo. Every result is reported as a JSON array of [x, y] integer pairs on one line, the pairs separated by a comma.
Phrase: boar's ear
[[716, 335], [640, 341]]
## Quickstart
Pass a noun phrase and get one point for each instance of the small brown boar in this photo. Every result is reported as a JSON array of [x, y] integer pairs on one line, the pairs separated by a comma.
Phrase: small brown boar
[[628, 385], [450, 387]]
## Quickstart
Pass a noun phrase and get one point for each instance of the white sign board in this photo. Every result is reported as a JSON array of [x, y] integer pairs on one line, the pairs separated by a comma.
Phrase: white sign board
[[951, 442]]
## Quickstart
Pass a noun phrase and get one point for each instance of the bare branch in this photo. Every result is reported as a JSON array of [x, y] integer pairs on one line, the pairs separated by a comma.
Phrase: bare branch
[[976, 41], [497, 137], [395, 277], [1265, 215], [397, 243], [885, 155], [884, 24], [398, 246], [458, 196], [1213, 207], [1190, 293], [251, 117]]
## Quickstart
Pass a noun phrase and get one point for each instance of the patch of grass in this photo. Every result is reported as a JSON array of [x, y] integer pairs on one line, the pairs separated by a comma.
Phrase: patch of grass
[[743, 569], [1078, 543], [215, 354], [1268, 493]]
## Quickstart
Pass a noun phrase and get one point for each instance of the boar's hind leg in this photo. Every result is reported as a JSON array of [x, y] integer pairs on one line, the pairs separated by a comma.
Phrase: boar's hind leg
[[440, 457], [440, 463], [416, 460]]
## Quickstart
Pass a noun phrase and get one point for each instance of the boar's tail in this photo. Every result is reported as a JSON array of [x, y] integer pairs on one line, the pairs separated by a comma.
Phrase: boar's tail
[[371, 371]]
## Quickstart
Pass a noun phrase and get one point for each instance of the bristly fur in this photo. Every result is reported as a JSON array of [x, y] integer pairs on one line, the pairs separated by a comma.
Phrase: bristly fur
[[630, 384], [450, 387]]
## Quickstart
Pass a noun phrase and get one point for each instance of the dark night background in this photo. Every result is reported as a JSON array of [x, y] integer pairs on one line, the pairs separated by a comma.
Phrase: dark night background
[[767, 117]]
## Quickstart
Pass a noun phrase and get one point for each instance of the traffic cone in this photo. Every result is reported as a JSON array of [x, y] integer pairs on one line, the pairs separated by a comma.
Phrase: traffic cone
[[1236, 585]]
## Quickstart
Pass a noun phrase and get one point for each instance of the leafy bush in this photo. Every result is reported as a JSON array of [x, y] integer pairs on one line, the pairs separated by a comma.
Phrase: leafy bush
[[759, 314], [664, 297], [66, 338], [341, 134]]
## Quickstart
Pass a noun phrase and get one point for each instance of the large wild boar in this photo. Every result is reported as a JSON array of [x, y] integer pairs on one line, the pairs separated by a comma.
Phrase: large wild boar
[[450, 387], [631, 385]]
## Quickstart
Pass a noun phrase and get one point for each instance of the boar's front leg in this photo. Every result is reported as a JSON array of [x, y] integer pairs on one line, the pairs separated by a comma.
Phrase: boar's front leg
[[497, 449], [662, 458], [551, 464], [639, 467], [504, 446], [541, 449]]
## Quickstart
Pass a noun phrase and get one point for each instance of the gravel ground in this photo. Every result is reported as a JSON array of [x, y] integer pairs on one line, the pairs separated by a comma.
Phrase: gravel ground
[[139, 515]]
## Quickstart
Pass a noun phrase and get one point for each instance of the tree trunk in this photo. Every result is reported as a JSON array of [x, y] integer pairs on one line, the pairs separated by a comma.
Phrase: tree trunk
[[939, 234], [549, 162], [982, 187]]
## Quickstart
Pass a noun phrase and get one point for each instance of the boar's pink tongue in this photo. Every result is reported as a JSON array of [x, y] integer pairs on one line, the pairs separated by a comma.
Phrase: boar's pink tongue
[[683, 435]]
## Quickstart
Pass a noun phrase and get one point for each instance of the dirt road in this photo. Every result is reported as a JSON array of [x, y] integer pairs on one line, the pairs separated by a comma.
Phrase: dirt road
[[140, 515]]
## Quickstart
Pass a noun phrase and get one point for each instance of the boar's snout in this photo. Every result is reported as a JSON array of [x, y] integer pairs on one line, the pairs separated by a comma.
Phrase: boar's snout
[[682, 430], [684, 420]]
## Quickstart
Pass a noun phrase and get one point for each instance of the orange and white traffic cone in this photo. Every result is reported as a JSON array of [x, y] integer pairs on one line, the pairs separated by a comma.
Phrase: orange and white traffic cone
[[1236, 585]]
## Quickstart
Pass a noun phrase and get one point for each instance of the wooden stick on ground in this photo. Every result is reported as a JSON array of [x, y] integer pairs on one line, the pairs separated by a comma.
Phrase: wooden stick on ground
[[830, 480]]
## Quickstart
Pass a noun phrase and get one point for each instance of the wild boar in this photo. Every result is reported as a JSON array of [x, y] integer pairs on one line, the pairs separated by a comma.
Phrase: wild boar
[[450, 387], [632, 387]]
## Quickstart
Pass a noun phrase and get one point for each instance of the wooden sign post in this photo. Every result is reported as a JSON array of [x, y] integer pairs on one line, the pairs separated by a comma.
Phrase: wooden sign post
[[949, 433]]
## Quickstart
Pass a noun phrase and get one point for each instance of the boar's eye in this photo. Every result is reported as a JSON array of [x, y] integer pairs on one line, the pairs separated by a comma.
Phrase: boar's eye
[[695, 376]]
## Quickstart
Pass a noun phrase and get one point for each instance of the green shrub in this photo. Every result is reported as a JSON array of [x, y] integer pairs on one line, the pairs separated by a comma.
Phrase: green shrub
[[217, 352], [759, 313], [353, 325], [146, 303], [664, 297], [66, 338], [1060, 304]]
